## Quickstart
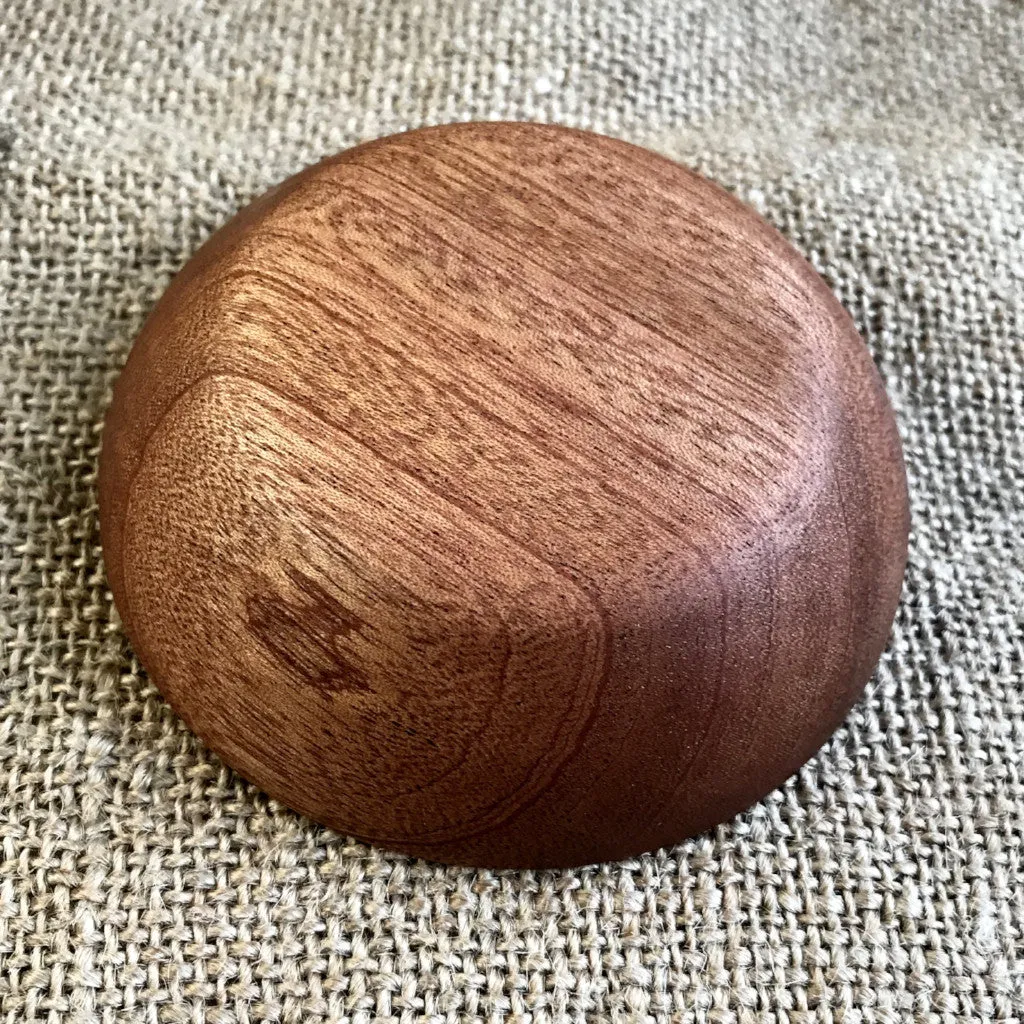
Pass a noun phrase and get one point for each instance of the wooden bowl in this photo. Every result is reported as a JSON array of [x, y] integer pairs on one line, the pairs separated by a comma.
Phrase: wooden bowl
[[506, 495]]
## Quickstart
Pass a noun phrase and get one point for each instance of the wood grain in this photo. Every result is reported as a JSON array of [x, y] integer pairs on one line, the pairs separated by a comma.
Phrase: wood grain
[[506, 495]]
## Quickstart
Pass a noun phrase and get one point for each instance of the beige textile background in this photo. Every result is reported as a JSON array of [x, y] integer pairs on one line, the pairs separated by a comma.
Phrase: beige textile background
[[140, 880]]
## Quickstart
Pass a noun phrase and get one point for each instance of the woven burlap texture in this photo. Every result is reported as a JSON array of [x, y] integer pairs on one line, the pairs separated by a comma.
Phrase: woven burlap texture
[[141, 880]]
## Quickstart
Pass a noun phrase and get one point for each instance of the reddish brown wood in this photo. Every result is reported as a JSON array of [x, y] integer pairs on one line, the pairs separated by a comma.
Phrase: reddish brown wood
[[504, 494]]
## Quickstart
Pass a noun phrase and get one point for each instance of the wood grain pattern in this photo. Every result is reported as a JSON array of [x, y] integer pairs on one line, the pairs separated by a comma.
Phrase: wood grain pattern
[[504, 494]]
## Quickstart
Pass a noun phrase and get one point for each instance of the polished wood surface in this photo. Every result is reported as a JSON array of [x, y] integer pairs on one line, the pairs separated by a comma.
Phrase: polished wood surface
[[506, 495]]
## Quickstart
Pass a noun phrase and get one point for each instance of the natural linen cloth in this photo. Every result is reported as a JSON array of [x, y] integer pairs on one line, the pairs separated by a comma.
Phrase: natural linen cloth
[[142, 880]]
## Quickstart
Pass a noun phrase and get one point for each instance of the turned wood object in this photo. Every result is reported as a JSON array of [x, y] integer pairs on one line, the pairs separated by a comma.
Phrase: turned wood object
[[504, 494]]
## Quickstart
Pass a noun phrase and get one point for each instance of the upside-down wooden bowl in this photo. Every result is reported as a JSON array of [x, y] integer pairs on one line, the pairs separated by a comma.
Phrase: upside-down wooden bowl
[[504, 494]]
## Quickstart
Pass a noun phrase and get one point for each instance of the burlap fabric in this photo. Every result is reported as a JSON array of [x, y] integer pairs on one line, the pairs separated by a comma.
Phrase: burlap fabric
[[142, 881]]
